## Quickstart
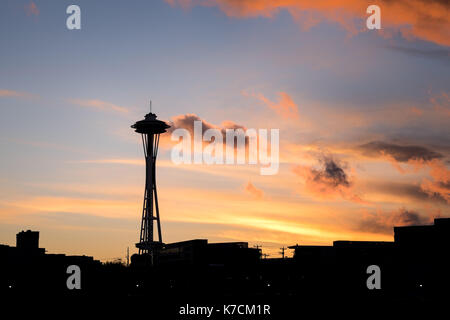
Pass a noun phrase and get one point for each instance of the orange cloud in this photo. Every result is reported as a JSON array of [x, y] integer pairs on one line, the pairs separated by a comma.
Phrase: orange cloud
[[416, 111], [412, 159], [286, 107], [98, 104], [254, 191], [14, 94], [427, 20], [9, 93], [383, 222], [101, 207], [440, 183], [125, 161], [329, 181], [31, 9]]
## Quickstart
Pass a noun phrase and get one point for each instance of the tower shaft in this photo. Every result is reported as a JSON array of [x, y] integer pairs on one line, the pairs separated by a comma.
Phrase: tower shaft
[[150, 210]]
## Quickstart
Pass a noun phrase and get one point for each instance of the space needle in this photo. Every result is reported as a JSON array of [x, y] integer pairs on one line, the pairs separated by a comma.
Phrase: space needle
[[150, 129]]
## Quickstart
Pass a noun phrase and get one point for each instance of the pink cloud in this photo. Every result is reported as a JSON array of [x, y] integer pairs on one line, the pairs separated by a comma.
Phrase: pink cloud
[[285, 107], [14, 94], [99, 104], [31, 9], [383, 221], [422, 19], [254, 191]]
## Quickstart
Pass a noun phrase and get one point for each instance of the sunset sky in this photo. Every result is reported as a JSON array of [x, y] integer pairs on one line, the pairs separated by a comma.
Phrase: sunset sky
[[364, 119]]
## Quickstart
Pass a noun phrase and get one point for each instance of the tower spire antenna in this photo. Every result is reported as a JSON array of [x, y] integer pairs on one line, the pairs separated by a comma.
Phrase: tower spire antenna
[[150, 106]]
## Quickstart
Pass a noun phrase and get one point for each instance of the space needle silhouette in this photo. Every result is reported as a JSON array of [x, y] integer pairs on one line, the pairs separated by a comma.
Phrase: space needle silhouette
[[150, 128]]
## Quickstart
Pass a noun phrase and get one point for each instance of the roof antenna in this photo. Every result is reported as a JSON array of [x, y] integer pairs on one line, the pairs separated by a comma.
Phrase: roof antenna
[[150, 106]]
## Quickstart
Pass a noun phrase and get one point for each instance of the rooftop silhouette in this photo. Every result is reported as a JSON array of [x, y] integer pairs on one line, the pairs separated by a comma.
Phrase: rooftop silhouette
[[414, 267]]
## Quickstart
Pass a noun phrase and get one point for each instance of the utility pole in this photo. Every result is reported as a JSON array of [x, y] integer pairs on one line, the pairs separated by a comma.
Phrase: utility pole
[[282, 252], [258, 247]]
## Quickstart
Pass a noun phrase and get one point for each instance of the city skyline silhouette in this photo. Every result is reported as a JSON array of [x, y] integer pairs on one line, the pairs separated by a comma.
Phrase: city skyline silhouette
[[293, 153]]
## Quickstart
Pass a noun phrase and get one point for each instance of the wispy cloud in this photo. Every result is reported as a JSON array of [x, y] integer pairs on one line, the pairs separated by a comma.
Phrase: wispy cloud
[[99, 104], [401, 153], [411, 159], [254, 191], [125, 161], [15, 94], [285, 107], [423, 19], [101, 207], [383, 222], [31, 9], [380, 190], [439, 184]]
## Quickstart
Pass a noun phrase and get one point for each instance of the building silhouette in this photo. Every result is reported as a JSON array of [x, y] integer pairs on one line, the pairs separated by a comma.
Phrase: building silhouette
[[28, 240], [28, 270], [414, 268]]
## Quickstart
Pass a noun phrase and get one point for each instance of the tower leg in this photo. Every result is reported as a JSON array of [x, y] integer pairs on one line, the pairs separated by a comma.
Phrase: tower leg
[[147, 243]]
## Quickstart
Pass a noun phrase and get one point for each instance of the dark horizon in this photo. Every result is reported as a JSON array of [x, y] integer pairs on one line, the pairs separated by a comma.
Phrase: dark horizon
[[413, 269]]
